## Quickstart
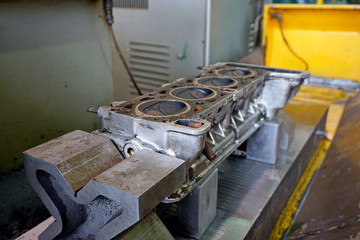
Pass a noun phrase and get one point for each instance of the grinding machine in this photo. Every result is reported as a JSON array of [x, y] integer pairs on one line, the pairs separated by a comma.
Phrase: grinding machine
[[166, 147]]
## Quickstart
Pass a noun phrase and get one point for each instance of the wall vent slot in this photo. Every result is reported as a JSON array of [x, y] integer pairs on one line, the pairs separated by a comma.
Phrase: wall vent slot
[[132, 4], [150, 65]]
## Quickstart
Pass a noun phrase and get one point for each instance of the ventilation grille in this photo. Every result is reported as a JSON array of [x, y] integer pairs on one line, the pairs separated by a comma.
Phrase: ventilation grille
[[149, 63], [135, 4]]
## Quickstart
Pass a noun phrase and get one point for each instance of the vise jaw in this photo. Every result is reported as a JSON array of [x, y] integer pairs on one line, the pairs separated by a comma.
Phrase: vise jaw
[[91, 191]]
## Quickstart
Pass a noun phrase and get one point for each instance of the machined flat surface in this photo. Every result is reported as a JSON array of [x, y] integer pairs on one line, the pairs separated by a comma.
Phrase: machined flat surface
[[331, 209], [147, 176], [78, 155], [142, 171]]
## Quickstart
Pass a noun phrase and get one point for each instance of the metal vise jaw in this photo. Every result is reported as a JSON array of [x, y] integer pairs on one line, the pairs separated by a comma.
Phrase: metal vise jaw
[[91, 191], [154, 147]]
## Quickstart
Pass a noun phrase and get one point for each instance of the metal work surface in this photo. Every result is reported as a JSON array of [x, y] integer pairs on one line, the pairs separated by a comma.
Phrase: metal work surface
[[150, 228], [331, 209], [252, 194]]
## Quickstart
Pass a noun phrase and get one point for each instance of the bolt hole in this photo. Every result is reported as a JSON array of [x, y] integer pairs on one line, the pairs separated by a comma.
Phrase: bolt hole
[[128, 106], [146, 98], [130, 151]]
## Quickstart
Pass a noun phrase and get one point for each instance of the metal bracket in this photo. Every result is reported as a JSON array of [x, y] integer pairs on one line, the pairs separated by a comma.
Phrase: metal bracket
[[272, 137], [198, 209]]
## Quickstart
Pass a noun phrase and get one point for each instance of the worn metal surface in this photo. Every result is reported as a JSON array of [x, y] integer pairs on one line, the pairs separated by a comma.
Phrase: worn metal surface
[[285, 219], [78, 156], [147, 176], [252, 194], [91, 191], [336, 83], [331, 208], [148, 228]]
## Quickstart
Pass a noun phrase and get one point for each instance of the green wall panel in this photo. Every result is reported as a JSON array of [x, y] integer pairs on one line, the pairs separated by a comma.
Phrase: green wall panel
[[55, 62]]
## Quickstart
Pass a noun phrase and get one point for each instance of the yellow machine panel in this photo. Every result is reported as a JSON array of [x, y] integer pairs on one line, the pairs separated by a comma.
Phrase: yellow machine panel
[[327, 37]]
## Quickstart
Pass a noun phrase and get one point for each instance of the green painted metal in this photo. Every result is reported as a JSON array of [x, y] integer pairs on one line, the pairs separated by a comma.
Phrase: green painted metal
[[55, 62]]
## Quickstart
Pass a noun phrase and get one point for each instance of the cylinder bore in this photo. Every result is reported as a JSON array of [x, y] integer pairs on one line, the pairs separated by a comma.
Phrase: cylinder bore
[[235, 72], [193, 93], [159, 108], [216, 81]]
